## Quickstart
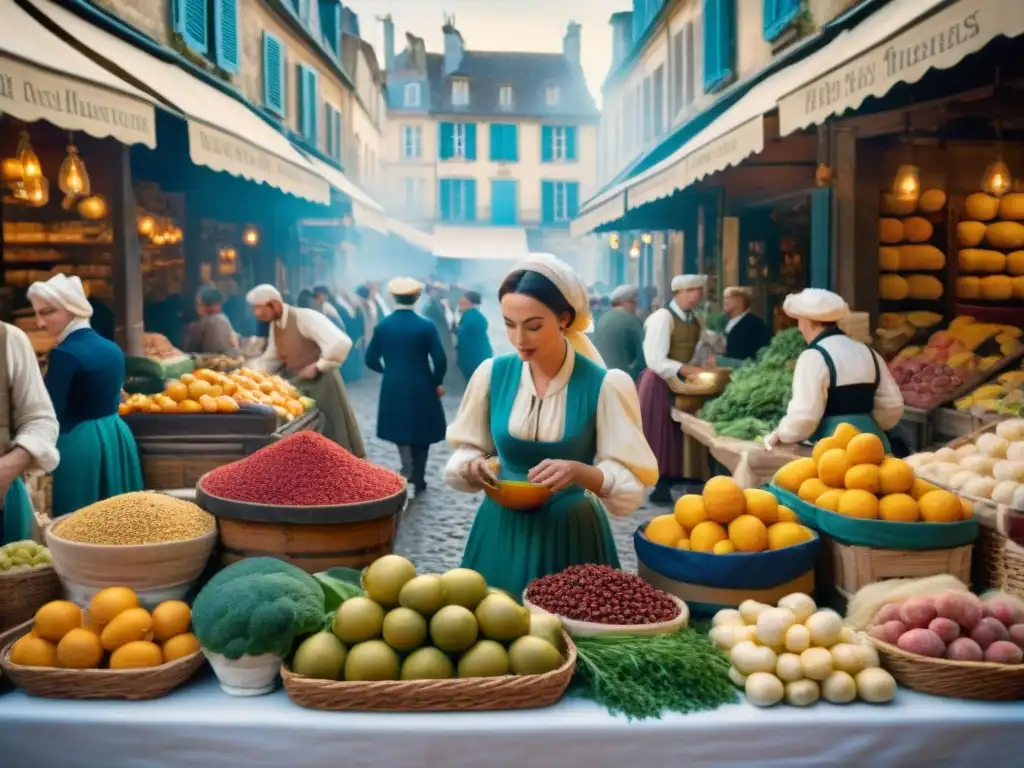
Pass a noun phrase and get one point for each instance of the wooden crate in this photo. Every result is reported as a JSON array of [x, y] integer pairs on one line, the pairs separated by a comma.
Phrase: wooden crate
[[161, 473], [848, 568]]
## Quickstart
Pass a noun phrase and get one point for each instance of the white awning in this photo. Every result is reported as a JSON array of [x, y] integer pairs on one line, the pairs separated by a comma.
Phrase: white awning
[[251, 148], [44, 78], [865, 62], [411, 235], [366, 211], [609, 206], [480, 243]]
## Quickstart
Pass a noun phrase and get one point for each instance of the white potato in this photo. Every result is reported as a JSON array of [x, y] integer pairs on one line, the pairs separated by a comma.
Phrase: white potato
[[1011, 429], [798, 639], [965, 451], [1003, 492], [1016, 451], [751, 609], [1009, 470], [749, 658], [772, 626], [788, 668], [979, 487], [993, 445], [839, 688], [978, 464], [824, 627], [817, 663], [961, 478], [875, 685], [764, 689], [945, 455], [726, 616], [919, 460], [800, 604], [802, 693]]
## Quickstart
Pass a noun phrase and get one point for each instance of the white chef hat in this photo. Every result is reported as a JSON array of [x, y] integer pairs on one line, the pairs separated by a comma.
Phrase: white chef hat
[[743, 291], [572, 287], [263, 294], [685, 282], [624, 293], [404, 286], [65, 292], [816, 304]]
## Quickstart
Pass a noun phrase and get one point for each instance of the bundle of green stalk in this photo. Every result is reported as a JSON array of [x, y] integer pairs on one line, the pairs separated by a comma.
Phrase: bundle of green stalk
[[758, 393], [641, 677]]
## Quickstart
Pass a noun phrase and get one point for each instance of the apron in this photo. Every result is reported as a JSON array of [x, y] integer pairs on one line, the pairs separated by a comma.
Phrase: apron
[[105, 463], [511, 548], [850, 403], [16, 513], [340, 424]]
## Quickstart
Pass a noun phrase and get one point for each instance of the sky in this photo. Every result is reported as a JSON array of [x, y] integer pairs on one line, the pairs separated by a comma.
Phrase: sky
[[499, 25]]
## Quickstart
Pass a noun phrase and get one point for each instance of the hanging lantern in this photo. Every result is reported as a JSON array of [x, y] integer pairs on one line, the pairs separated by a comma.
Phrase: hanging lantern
[[251, 236], [10, 170], [634, 250], [613, 241], [646, 238], [997, 180], [36, 191], [146, 225], [72, 178], [159, 239], [31, 168], [907, 184], [93, 208]]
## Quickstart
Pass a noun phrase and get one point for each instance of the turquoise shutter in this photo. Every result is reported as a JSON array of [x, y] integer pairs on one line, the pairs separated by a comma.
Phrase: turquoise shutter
[[572, 199], [821, 238], [512, 143], [191, 23], [226, 31], [446, 140], [470, 140], [497, 151], [504, 202], [570, 143], [273, 74], [547, 197], [547, 152], [719, 42], [446, 199], [778, 16], [314, 106], [469, 199], [337, 134]]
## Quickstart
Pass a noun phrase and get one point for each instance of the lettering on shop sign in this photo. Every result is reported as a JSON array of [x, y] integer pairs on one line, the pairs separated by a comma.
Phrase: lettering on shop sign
[[242, 153], [910, 54]]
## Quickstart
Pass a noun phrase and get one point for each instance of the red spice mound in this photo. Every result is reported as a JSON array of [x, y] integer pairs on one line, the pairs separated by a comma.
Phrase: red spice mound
[[602, 595], [303, 470]]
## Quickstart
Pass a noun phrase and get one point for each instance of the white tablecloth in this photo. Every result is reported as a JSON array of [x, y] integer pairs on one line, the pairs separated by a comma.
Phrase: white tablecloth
[[202, 727]]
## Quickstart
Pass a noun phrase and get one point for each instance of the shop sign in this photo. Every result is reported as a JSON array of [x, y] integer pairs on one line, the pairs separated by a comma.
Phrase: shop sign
[[938, 42], [31, 93], [223, 151]]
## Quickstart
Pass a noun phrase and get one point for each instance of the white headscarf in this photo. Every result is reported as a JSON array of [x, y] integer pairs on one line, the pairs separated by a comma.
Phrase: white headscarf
[[64, 292], [574, 290], [624, 293], [816, 304], [263, 294], [685, 282]]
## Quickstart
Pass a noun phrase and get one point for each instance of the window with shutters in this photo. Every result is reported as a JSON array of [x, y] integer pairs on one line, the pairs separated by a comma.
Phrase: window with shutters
[[412, 142], [558, 143], [460, 92], [210, 28], [306, 102], [330, 24], [779, 16], [273, 75], [504, 143], [719, 44], [506, 97], [332, 122], [560, 201], [459, 140], [411, 95], [457, 199]]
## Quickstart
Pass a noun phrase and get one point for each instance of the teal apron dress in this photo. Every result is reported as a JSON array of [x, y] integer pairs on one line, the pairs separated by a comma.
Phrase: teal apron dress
[[511, 548], [850, 403], [17, 513]]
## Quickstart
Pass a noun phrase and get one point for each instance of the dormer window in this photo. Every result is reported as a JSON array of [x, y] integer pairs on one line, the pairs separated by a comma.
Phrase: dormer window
[[553, 96], [505, 97], [460, 93], [411, 95]]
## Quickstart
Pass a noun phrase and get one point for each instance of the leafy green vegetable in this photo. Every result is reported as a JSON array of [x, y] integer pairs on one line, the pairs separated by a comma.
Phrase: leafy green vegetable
[[641, 677], [758, 393], [338, 585]]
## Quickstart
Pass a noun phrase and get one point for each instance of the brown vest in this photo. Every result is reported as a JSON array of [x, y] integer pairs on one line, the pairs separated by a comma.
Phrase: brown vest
[[294, 349], [683, 340]]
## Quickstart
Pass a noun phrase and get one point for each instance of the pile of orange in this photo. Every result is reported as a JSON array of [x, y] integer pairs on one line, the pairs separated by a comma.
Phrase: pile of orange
[[115, 633], [206, 391]]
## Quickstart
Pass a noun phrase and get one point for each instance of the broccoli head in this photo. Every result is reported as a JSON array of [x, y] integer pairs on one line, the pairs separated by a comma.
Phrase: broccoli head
[[257, 606]]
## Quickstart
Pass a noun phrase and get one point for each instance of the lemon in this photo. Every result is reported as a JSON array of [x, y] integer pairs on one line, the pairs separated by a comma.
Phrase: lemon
[[690, 512], [724, 547], [684, 544], [56, 619], [748, 534], [704, 537], [783, 535], [787, 515], [108, 603], [665, 529], [762, 505]]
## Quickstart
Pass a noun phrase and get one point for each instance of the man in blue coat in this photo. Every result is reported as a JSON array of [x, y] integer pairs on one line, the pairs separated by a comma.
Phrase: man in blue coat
[[474, 345], [407, 350]]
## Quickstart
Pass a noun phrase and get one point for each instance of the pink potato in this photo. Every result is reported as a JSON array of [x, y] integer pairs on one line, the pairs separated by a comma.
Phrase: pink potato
[[1017, 634], [1004, 652], [923, 642], [1007, 609], [888, 612], [918, 611], [890, 632], [962, 607], [988, 631], [947, 629], [964, 649]]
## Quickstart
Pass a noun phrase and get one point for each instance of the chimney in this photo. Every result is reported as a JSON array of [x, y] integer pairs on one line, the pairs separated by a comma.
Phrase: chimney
[[389, 42], [571, 43], [622, 36], [453, 46]]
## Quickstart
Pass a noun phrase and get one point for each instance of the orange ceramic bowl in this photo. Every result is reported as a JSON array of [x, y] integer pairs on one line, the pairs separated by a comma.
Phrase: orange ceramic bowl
[[518, 494]]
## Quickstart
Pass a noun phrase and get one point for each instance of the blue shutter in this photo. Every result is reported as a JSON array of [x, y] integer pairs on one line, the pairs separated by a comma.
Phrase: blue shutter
[[226, 31], [572, 199], [469, 199], [570, 143], [191, 22], [547, 197], [446, 140], [821, 238], [547, 152], [512, 143], [504, 202], [314, 92], [778, 16], [470, 140], [497, 151], [719, 42], [273, 74], [446, 199], [330, 23]]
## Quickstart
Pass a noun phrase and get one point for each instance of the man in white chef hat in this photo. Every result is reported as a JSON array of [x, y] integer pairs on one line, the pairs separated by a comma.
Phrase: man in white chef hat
[[836, 379], [671, 336], [306, 344]]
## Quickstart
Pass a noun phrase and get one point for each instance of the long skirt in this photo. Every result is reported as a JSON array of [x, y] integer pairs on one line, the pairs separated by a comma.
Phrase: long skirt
[[662, 433], [352, 368], [98, 459], [17, 513], [332, 399], [511, 548]]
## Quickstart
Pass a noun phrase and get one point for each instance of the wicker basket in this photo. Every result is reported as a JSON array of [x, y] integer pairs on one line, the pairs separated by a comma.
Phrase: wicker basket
[[980, 680], [23, 591], [464, 694], [848, 567], [999, 564], [127, 684]]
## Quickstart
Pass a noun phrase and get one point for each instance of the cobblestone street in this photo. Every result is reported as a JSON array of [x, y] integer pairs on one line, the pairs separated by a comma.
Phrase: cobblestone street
[[434, 526]]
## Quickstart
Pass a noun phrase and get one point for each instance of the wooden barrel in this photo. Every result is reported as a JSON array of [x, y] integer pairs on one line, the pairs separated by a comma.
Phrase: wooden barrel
[[312, 548]]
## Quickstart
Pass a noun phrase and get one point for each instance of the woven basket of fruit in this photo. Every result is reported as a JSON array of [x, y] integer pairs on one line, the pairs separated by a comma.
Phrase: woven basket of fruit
[[27, 580]]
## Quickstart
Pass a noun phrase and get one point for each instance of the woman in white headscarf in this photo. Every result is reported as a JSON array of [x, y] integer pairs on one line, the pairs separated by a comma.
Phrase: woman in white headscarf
[[84, 376], [552, 415]]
